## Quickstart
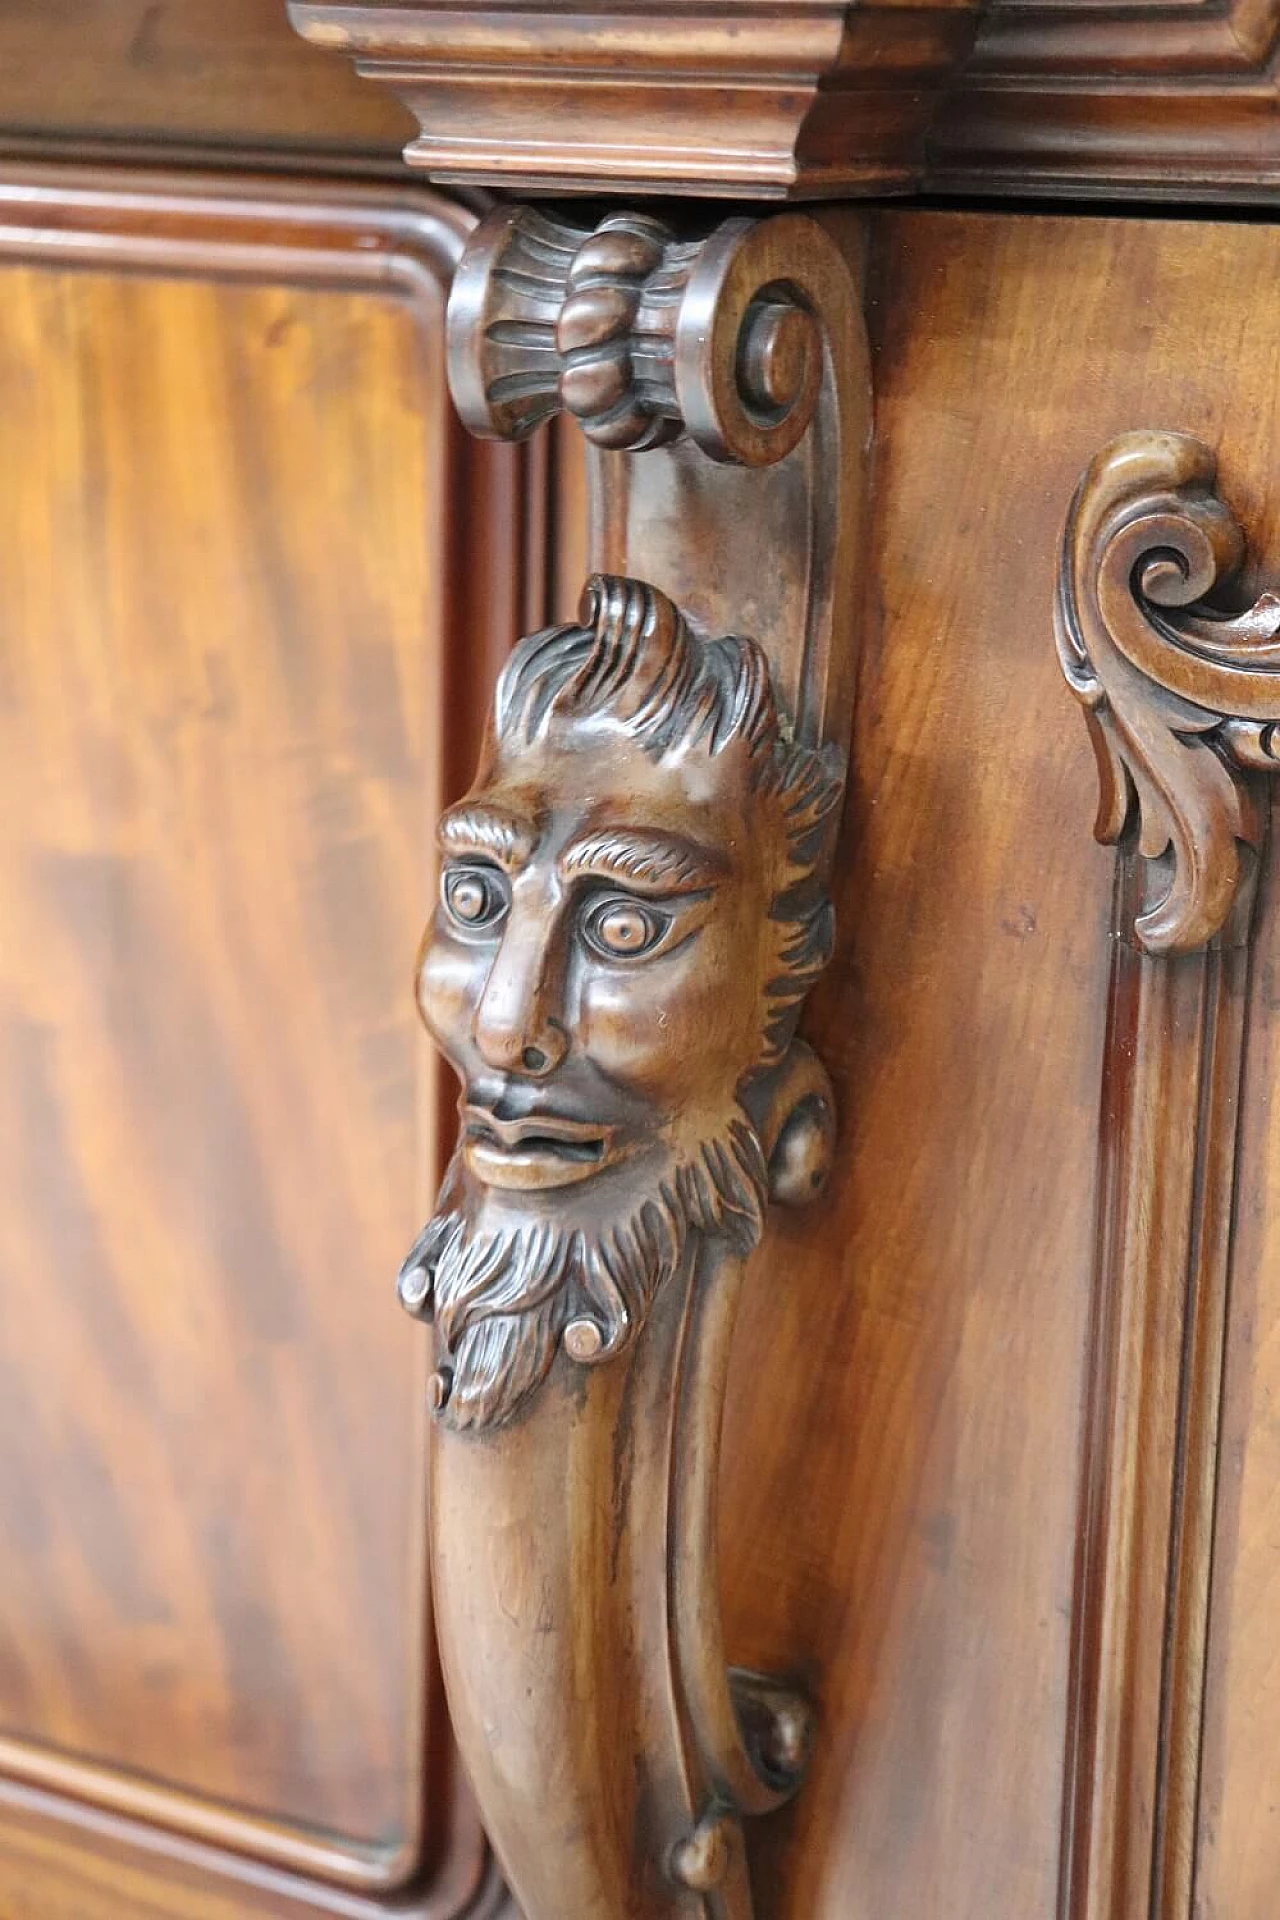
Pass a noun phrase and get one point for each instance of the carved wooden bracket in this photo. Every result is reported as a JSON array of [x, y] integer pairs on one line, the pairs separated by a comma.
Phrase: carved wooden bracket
[[1181, 692], [633, 906]]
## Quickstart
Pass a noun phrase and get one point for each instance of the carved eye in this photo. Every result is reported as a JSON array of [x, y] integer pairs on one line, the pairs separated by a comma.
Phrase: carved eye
[[474, 897], [622, 928]]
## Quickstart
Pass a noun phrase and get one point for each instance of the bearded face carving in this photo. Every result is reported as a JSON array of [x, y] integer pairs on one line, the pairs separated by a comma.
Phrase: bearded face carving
[[630, 915]]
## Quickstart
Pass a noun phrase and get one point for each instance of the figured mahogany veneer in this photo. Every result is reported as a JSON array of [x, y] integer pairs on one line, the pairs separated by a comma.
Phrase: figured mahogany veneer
[[246, 630]]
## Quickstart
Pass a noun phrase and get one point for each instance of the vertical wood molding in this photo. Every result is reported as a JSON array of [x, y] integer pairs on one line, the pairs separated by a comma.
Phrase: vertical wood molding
[[1181, 687]]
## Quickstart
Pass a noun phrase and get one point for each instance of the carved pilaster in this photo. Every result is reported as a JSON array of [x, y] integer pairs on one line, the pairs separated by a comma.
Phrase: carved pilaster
[[1179, 675]]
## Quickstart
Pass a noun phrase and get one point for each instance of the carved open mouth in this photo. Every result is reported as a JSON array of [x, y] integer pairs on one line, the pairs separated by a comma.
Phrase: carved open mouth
[[588, 1151], [541, 1151]]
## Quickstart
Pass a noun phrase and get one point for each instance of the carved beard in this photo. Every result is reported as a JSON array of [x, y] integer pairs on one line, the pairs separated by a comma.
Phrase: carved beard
[[502, 1296]]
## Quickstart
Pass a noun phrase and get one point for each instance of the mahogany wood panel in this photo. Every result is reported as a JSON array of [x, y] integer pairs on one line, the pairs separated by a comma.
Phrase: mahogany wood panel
[[244, 634], [212, 75], [908, 1438]]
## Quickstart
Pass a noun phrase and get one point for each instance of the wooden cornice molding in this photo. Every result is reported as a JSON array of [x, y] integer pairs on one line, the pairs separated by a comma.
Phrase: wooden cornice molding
[[1137, 98], [767, 99], [803, 99]]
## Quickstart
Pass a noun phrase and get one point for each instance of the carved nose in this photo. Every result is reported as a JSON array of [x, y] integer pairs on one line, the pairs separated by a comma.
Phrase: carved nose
[[520, 1047], [516, 1027]]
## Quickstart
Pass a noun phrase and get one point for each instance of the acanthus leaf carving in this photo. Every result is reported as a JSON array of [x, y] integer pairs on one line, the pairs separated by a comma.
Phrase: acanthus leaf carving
[[1181, 693]]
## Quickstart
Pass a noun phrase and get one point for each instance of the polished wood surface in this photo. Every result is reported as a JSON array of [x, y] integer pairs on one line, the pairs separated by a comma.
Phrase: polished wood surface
[[907, 1441], [823, 98], [632, 910], [998, 1480], [1176, 672], [1238, 1841], [1136, 100], [236, 517], [214, 78], [754, 99]]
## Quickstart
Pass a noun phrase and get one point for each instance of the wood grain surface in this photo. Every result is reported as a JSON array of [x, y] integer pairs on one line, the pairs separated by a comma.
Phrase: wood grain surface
[[575, 1477], [235, 524], [227, 619], [218, 76], [1238, 1852], [906, 1416], [1138, 99]]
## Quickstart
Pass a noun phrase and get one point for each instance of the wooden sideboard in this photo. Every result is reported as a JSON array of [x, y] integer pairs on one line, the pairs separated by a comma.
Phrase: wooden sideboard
[[998, 1478]]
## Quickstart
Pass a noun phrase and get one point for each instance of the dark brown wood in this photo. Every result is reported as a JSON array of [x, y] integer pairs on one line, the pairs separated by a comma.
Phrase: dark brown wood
[[1179, 103], [217, 80], [632, 911], [238, 527], [910, 1510], [1181, 692], [1238, 1833], [763, 99], [814, 100], [1148, 543], [996, 1491]]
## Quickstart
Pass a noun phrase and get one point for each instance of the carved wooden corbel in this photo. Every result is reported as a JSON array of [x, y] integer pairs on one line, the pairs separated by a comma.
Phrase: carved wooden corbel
[[633, 906]]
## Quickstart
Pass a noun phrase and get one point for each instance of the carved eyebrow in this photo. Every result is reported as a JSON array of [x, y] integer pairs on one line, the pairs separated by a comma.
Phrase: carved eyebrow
[[489, 833], [657, 861]]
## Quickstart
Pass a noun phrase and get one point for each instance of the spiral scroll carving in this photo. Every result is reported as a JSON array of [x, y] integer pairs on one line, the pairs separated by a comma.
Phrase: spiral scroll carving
[[639, 334], [1181, 693]]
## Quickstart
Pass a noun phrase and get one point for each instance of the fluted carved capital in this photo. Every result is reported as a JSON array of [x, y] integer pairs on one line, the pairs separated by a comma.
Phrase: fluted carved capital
[[642, 335], [1179, 676]]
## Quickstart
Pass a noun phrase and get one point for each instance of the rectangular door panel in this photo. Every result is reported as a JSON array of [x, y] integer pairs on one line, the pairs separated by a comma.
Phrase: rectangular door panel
[[231, 494]]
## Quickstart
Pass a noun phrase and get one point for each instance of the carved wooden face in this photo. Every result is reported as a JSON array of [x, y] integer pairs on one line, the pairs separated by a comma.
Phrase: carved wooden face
[[595, 970], [629, 917]]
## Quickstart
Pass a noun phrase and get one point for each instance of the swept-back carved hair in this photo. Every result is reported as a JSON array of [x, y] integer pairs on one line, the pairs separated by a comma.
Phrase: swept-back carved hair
[[634, 658]]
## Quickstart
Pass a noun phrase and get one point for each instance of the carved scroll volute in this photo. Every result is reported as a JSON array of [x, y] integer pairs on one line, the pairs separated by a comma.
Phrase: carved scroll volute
[[1180, 681], [633, 906]]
